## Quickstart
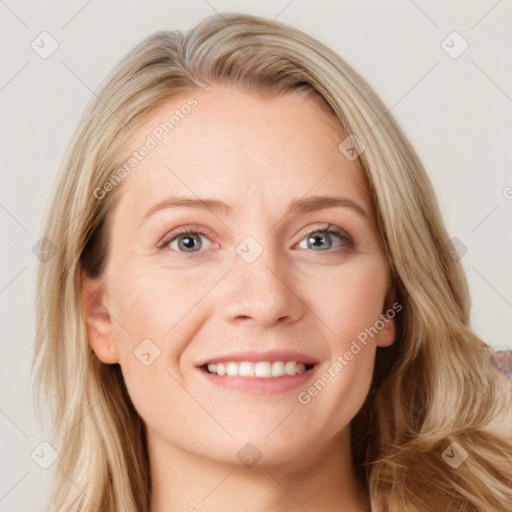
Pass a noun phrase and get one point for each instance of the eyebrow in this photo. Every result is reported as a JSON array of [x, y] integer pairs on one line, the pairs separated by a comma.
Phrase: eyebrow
[[298, 206]]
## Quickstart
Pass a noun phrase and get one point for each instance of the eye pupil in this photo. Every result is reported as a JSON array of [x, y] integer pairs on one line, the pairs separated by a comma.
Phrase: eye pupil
[[314, 237], [187, 241]]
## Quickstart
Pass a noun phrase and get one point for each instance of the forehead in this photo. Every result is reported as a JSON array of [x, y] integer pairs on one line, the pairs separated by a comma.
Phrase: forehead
[[238, 146]]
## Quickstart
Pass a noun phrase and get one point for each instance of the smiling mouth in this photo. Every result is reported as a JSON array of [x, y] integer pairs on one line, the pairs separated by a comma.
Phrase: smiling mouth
[[262, 369]]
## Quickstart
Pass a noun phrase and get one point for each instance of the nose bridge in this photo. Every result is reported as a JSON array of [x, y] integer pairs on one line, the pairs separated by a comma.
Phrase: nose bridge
[[261, 289]]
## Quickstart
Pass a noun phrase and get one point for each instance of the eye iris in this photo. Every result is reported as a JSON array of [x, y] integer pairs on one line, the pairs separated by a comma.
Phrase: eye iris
[[314, 236], [187, 241]]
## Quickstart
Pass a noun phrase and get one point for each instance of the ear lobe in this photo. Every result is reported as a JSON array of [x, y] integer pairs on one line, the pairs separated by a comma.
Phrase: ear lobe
[[97, 317], [387, 333]]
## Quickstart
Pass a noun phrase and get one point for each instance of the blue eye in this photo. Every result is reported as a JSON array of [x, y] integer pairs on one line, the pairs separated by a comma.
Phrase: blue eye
[[322, 239], [190, 240]]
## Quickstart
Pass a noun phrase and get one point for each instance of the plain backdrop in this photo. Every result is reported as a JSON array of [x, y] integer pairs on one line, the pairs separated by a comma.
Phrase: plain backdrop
[[455, 109]]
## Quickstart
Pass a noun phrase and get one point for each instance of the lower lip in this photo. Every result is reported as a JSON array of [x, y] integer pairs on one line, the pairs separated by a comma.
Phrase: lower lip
[[260, 385]]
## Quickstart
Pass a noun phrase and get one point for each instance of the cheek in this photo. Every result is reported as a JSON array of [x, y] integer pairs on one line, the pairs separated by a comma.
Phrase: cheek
[[148, 345], [154, 319], [151, 303], [352, 306], [353, 300]]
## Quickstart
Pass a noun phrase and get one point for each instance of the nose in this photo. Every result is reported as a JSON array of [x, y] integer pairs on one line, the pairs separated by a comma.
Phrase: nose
[[262, 292]]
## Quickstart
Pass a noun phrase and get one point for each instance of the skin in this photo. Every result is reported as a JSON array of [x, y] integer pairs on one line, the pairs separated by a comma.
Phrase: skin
[[257, 155]]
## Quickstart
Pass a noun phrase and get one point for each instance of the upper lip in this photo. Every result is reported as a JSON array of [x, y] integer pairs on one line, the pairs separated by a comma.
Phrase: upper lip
[[271, 355]]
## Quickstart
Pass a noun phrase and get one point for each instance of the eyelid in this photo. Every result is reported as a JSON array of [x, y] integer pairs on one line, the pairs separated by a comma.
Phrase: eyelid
[[188, 228], [326, 226]]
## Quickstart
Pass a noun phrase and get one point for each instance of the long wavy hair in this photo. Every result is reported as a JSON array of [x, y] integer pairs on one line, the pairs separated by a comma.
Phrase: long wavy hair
[[433, 387]]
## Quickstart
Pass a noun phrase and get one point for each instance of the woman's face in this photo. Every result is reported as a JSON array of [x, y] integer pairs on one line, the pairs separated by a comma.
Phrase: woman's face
[[275, 275]]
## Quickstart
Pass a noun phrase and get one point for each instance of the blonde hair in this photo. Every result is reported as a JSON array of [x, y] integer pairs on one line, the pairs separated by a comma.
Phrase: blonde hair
[[433, 387]]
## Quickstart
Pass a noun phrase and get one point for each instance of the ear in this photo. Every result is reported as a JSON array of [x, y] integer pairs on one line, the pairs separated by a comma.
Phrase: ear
[[387, 334], [97, 317]]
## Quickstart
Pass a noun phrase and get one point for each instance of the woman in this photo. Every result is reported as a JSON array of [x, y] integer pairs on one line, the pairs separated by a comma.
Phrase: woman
[[255, 304]]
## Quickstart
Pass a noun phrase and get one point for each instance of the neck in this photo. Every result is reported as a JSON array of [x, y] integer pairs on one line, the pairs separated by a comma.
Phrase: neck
[[189, 482]]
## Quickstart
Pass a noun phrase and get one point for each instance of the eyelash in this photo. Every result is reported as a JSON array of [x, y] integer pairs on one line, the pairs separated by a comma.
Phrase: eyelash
[[346, 241]]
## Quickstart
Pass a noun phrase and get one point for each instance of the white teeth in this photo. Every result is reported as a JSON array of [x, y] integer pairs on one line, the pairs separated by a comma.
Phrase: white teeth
[[232, 370], [290, 368], [246, 369], [277, 369], [264, 369]]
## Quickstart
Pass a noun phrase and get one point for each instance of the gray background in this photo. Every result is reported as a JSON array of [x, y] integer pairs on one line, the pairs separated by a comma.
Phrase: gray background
[[457, 113]]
